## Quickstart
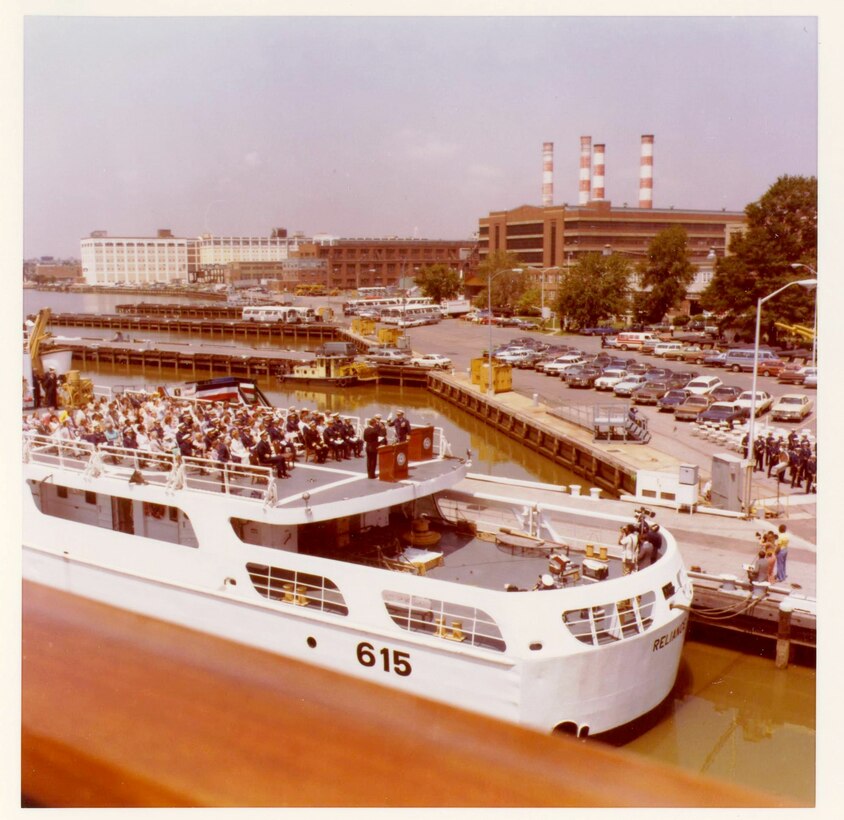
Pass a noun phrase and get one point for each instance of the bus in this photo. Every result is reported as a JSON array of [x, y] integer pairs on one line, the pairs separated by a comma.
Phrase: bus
[[372, 293], [410, 315], [288, 314], [355, 306]]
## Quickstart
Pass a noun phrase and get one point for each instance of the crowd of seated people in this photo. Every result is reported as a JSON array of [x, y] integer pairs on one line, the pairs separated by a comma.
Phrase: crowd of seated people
[[214, 430]]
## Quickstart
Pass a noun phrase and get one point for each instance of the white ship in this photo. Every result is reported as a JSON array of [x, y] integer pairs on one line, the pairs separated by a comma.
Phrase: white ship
[[405, 580]]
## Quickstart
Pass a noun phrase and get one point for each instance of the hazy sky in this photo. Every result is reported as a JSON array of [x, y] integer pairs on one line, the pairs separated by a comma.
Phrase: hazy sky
[[380, 126]]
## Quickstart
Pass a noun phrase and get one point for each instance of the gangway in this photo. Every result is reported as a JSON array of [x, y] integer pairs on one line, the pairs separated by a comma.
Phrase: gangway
[[614, 422]]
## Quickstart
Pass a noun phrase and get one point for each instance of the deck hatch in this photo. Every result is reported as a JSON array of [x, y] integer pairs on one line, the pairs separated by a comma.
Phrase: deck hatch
[[445, 620], [297, 588]]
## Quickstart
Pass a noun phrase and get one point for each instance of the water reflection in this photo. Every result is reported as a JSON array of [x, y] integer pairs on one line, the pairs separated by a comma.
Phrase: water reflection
[[735, 717]]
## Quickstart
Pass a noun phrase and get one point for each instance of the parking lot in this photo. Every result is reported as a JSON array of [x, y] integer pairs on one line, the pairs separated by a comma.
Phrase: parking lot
[[462, 341]]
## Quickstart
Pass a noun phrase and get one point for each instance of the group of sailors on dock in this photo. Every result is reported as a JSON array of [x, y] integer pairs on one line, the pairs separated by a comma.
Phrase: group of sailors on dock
[[792, 459], [216, 430]]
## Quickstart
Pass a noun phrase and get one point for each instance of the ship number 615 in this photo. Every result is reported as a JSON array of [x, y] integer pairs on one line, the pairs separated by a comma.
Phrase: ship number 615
[[391, 659]]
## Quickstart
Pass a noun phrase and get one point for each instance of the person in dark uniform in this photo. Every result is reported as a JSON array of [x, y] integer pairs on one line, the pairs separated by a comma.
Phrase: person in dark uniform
[[770, 450], [333, 437], [371, 440], [810, 469], [313, 441], [36, 391], [264, 454], [353, 442], [382, 429], [401, 425], [759, 454], [50, 383]]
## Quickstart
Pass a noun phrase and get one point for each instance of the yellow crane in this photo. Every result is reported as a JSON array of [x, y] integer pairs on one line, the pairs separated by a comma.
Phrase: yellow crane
[[798, 330]]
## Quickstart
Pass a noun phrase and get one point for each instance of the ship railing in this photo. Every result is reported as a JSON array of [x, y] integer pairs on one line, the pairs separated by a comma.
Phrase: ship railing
[[153, 468], [209, 476], [64, 453], [144, 467]]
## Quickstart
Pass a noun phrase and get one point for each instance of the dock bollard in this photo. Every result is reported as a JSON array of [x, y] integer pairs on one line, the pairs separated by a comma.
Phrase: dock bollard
[[595, 492], [728, 582], [575, 489], [536, 399]]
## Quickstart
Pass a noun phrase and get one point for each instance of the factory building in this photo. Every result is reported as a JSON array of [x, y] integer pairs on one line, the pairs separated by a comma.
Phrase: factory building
[[552, 237]]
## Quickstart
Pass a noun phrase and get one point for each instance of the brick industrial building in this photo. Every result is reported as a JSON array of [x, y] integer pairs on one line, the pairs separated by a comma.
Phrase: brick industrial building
[[555, 236], [284, 262]]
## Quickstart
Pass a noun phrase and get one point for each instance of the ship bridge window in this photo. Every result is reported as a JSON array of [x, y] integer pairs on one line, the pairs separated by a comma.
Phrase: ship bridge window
[[607, 623], [297, 588], [442, 619], [142, 518]]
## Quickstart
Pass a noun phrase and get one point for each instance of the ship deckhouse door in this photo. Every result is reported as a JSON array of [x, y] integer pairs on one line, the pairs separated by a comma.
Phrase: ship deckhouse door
[[121, 510]]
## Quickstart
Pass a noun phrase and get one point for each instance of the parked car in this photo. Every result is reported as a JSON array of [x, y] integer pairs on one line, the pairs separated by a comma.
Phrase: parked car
[[610, 378], [523, 357], [811, 378], [526, 324], [791, 407], [638, 369], [692, 407], [792, 374], [582, 376], [556, 367], [387, 355], [431, 361], [717, 359], [703, 385], [695, 354], [763, 401], [597, 331], [722, 411], [726, 392], [672, 399], [627, 385], [649, 392]]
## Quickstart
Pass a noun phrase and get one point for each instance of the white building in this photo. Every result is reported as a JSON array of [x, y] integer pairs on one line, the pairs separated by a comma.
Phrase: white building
[[220, 250], [140, 260], [136, 260]]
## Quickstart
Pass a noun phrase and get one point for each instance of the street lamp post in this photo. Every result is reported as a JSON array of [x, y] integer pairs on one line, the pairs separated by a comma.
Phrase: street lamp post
[[541, 272], [751, 430], [796, 265]]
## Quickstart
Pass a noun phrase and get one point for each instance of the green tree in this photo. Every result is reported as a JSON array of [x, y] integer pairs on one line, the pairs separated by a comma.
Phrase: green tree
[[509, 280], [439, 282], [530, 301], [664, 275], [596, 288], [782, 229]]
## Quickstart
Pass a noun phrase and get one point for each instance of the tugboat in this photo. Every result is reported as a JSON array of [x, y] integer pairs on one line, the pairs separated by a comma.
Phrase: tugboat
[[327, 369]]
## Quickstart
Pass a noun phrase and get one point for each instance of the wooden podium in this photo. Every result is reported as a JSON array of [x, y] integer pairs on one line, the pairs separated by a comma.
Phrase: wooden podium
[[392, 462], [421, 443]]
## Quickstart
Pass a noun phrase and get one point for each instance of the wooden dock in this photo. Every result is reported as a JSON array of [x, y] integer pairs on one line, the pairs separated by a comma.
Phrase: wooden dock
[[199, 327]]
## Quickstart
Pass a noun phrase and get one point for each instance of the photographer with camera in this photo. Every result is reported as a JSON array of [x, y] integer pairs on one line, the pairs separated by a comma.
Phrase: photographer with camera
[[629, 540]]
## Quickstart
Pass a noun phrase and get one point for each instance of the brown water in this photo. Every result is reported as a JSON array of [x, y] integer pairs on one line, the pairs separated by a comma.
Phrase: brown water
[[732, 716]]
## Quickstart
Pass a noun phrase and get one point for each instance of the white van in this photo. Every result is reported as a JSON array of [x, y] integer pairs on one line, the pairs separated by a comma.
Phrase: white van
[[630, 340]]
